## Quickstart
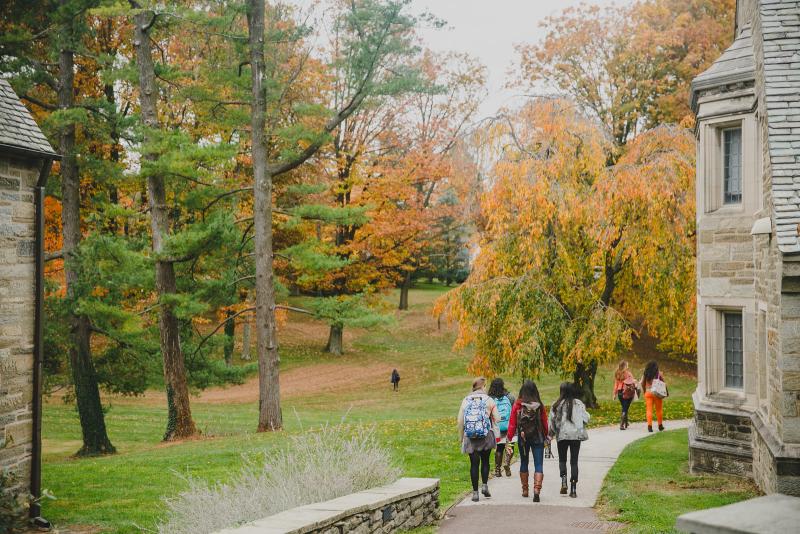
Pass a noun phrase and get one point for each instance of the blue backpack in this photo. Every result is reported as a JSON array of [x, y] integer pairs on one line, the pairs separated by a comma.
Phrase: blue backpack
[[504, 409], [476, 420]]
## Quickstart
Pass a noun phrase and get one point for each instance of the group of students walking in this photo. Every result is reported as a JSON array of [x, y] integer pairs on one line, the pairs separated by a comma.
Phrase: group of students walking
[[494, 419]]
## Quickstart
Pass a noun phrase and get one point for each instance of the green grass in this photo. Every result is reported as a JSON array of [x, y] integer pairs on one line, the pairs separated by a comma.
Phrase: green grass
[[123, 492], [650, 486]]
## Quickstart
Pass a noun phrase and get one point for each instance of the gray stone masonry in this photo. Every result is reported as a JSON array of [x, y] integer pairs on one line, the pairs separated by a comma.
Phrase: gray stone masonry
[[773, 514], [403, 505], [17, 180]]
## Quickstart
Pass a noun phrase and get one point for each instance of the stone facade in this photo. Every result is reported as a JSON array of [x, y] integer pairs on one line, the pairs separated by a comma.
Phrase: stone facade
[[25, 159], [404, 505], [748, 255], [17, 181]]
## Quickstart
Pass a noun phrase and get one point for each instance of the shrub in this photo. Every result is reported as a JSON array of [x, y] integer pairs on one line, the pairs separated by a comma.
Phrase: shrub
[[13, 509], [313, 467]]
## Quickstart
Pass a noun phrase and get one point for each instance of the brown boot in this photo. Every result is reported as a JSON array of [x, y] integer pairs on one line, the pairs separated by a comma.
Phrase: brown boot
[[537, 485], [509, 454], [523, 477]]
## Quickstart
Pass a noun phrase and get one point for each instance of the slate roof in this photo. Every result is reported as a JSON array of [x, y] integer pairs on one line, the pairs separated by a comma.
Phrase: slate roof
[[780, 22], [18, 130], [779, 41], [736, 64]]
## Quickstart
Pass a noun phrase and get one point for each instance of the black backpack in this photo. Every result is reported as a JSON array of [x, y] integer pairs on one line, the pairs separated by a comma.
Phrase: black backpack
[[530, 423]]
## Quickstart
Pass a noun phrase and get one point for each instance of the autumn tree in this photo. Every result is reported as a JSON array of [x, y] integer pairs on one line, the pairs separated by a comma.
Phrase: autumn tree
[[568, 244], [416, 215], [630, 66]]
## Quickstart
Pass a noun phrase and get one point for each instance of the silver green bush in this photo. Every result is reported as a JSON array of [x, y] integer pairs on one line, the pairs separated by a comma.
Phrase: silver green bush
[[312, 467]]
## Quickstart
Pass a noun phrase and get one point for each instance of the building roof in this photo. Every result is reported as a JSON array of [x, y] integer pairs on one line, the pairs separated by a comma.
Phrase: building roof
[[778, 41], [18, 131], [780, 23], [736, 64]]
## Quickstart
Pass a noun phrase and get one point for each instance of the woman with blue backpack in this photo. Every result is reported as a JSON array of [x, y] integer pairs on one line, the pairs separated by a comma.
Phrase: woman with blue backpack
[[528, 422], [477, 426], [505, 444]]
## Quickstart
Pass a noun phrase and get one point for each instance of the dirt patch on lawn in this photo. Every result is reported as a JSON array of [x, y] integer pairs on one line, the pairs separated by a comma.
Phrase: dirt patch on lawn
[[318, 378], [312, 379]]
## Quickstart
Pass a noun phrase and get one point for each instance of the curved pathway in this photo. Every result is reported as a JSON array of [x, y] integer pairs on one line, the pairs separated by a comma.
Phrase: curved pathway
[[509, 513]]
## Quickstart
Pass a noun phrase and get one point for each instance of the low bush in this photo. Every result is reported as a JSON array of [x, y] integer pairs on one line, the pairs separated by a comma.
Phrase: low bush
[[13, 509], [312, 467]]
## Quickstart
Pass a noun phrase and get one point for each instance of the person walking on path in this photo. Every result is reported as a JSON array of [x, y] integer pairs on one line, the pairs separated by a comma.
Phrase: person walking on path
[[568, 419], [528, 422], [505, 444], [625, 390], [395, 380], [656, 391], [477, 426]]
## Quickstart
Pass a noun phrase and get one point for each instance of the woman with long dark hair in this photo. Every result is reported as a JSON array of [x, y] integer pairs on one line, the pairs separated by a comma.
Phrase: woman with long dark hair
[[477, 426], [568, 418], [528, 422], [505, 444], [653, 399]]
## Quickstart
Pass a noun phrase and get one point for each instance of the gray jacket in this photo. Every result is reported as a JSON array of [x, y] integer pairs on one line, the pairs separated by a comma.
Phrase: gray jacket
[[562, 428]]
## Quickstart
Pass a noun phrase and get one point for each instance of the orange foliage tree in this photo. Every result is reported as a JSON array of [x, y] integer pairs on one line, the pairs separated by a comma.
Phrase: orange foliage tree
[[569, 246]]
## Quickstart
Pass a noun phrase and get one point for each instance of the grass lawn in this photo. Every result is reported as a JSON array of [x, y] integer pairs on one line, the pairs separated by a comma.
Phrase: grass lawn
[[123, 493], [650, 486]]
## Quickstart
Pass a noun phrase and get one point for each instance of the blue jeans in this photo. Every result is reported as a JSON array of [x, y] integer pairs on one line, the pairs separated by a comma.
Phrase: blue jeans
[[626, 403], [525, 450]]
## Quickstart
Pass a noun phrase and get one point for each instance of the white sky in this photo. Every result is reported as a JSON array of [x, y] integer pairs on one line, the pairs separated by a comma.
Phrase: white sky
[[489, 30]]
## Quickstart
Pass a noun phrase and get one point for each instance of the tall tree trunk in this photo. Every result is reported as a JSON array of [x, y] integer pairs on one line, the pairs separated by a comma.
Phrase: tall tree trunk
[[335, 340], [246, 341], [269, 403], [180, 423], [583, 378], [84, 377], [404, 287], [230, 331]]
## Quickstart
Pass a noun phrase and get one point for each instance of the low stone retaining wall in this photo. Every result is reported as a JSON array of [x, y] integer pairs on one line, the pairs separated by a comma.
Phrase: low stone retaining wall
[[403, 505]]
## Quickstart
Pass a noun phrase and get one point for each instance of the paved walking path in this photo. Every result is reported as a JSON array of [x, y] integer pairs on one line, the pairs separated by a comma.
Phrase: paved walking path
[[506, 511]]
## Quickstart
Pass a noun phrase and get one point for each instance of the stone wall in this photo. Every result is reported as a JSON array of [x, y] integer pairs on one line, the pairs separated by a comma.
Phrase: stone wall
[[403, 505], [720, 441], [17, 181]]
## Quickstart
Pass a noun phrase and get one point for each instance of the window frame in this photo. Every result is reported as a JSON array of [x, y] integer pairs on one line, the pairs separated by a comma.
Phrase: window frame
[[710, 166], [714, 350]]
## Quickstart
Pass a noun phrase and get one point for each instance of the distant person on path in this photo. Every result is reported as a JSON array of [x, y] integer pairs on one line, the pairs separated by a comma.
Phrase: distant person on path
[[528, 423], [505, 445], [477, 426], [625, 390], [656, 391], [395, 380], [568, 419]]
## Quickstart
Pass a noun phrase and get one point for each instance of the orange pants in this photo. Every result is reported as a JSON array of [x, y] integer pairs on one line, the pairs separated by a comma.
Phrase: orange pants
[[650, 400]]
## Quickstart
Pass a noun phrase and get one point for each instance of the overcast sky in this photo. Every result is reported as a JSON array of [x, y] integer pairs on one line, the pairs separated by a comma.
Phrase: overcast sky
[[489, 30]]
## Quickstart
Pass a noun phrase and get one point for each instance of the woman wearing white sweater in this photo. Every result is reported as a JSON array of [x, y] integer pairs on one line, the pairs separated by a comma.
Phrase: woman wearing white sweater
[[568, 419]]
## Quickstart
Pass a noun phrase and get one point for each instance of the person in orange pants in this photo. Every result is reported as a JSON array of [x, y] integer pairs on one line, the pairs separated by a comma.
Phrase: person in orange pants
[[651, 372]]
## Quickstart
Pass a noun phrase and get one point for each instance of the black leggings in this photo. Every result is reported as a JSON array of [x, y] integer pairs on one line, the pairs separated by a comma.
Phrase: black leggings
[[476, 459], [574, 447]]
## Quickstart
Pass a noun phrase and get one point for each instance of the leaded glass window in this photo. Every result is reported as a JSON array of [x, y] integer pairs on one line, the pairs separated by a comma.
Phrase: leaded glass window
[[732, 165], [734, 368]]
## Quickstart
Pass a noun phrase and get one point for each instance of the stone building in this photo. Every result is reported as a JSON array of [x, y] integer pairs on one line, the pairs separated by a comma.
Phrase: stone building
[[747, 402], [25, 160]]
